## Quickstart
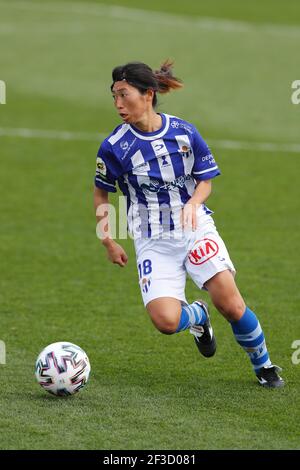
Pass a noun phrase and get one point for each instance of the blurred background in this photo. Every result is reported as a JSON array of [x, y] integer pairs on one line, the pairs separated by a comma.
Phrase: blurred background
[[238, 61]]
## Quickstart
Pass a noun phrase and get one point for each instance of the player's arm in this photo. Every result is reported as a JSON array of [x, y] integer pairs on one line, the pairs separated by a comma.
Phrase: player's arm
[[115, 252], [200, 195], [204, 169], [202, 192]]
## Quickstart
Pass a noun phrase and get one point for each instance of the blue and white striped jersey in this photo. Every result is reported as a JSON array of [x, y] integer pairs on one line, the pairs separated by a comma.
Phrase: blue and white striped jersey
[[156, 171]]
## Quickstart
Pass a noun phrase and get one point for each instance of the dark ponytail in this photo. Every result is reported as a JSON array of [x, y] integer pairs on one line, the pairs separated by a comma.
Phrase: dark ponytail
[[165, 78], [142, 77]]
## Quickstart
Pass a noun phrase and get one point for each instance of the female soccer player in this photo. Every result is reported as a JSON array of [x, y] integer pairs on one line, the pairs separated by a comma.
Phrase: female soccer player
[[165, 169]]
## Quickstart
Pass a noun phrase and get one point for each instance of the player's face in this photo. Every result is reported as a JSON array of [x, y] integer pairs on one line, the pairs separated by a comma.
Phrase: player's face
[[130, 103]]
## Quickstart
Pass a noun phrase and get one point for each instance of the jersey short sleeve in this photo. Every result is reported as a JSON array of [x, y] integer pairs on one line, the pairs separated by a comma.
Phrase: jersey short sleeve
[[108, 168], [205, 166]]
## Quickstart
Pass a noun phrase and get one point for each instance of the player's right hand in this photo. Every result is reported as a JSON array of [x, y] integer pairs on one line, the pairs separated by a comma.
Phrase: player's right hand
[[116, 254]]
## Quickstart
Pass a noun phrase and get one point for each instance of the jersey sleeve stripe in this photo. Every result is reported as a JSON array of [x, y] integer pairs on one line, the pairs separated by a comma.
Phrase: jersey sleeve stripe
[[121, 132], [205, 171]]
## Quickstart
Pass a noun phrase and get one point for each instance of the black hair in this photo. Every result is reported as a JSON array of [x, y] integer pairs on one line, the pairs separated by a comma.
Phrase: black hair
[[142, 77]]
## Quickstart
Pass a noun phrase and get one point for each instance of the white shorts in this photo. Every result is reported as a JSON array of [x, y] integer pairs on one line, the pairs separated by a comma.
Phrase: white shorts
[[163, 263]]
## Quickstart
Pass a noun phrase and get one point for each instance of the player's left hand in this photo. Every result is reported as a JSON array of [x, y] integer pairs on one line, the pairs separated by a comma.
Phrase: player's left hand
[[189, 215]]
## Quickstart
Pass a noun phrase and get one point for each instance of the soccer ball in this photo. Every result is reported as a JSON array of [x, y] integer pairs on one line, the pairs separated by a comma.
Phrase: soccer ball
[[62, 368]]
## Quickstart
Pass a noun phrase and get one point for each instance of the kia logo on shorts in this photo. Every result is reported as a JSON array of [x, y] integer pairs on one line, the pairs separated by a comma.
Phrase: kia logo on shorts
[[203, 250]]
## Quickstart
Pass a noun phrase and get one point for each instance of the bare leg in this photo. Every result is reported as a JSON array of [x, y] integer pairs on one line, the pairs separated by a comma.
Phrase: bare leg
[[165, 314], [226, 296]]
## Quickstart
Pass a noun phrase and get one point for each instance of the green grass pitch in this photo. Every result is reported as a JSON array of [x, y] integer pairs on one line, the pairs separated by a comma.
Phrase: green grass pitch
[[146, 391]]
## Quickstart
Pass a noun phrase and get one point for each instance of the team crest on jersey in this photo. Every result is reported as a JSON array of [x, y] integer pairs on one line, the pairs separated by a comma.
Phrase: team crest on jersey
[[203, 250], [100, 167], [185, 151]]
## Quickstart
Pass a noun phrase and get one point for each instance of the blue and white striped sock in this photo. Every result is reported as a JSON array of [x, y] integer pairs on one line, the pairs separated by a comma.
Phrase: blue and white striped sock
[[249, 335], [191, 315]]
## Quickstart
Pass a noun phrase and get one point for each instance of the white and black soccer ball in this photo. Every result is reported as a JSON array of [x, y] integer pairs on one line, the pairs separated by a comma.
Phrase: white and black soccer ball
[[62, 368]]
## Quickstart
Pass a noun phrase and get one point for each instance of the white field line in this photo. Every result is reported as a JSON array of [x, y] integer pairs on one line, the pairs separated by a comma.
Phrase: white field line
[[150, 17], [94, 137], [62, 28], [49, 134]]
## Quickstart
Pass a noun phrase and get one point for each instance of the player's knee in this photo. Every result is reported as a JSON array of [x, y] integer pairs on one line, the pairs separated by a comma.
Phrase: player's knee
[[166, 325], [167, 329]]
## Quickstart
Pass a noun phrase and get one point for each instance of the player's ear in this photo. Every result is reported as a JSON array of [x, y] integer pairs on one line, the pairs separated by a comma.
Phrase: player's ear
[[149, 95]]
